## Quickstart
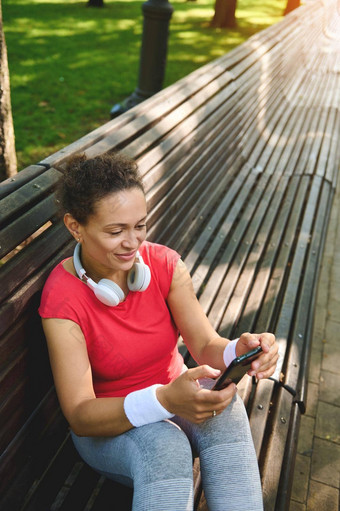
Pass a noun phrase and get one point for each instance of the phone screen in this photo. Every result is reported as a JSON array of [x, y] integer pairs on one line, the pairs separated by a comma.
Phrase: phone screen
[[237, 369]]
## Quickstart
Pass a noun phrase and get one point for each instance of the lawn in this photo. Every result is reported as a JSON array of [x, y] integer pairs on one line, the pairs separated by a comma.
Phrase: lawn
[[69, 64]]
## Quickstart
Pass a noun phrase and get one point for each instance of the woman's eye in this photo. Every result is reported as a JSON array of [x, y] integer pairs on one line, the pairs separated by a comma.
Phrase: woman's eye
[[115, 233], [141, 226]]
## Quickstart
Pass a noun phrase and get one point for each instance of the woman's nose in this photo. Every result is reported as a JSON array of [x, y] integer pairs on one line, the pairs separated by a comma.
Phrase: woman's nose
[[131, 239]]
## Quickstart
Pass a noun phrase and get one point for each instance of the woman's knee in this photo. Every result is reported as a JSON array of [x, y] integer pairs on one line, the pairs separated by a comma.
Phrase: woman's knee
[[163, 475], [164, 452]]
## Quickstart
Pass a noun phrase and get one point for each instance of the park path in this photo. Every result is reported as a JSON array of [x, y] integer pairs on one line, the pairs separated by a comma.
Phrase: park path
[[317, 470]]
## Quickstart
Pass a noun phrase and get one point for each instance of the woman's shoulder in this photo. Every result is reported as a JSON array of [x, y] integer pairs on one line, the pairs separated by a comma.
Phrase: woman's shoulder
[[158, 253], [60, 274], [162, 262], [59, 292]]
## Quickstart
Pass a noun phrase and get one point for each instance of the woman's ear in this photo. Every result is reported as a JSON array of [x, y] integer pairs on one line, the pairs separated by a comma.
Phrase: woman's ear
[[73, 226]]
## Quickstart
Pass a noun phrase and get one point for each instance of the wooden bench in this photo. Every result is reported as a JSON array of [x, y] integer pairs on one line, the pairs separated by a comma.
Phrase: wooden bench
[[240, 164]]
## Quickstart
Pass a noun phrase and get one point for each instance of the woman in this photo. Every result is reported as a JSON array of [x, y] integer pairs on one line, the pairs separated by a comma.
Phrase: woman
[[112, 315]]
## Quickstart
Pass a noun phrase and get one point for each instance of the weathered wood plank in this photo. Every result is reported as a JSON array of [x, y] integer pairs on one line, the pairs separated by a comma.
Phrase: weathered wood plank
[[20, 267], [24, 176], [16, 204]]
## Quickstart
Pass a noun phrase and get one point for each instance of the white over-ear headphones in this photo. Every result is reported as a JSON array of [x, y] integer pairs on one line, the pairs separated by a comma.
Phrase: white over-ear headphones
[[107, 291]]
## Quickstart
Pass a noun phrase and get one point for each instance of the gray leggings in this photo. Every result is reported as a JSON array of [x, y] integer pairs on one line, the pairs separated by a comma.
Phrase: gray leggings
[[156, 460]]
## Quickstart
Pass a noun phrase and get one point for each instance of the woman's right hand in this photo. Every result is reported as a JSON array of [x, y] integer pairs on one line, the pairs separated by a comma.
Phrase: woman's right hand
[[185, 396]]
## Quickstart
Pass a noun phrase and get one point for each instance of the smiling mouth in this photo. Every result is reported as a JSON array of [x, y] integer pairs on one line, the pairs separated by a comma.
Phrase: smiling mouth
[[128, 256]]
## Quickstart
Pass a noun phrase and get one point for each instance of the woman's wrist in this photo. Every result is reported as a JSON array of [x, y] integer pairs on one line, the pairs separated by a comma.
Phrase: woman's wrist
[[162, 394], [229, 352], [143, 407]]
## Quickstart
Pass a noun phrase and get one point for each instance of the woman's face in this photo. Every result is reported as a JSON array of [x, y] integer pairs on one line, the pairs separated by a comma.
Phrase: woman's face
[[114, 233]]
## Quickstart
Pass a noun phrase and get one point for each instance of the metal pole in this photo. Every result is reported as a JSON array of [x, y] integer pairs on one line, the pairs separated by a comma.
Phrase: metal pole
[[157, 15]]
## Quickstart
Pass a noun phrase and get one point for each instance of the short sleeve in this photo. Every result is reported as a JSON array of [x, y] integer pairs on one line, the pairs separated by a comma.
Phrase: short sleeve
[[162, 261], [57, 297]]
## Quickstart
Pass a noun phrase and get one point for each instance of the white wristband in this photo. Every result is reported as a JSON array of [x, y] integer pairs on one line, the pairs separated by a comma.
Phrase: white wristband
[[230, 352], [142, 407]]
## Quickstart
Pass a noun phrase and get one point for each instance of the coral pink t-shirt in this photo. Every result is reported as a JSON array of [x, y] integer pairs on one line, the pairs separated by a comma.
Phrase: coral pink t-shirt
[[132, 345]]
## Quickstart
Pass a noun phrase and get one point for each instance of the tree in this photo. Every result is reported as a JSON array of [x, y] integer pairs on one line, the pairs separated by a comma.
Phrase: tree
[[8, 160], [291, 5], [224, 16]]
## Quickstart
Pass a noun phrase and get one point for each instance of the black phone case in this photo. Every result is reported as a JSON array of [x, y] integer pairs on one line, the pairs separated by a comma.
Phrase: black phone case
[[237, 369]]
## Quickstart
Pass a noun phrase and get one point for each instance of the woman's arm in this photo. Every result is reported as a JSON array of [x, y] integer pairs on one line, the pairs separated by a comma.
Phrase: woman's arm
[[201, 339], [86, 414]]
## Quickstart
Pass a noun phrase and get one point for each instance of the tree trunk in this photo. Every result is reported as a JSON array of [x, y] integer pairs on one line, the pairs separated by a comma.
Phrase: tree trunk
[[224, 16], [95, 3], [8, 160], [291, 5]]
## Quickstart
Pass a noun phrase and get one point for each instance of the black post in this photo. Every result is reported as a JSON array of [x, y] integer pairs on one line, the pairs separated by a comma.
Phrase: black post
[[157, 14]]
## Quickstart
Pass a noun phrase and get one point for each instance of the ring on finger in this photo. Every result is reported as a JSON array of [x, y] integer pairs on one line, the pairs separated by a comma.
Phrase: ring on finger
[[214, 413]]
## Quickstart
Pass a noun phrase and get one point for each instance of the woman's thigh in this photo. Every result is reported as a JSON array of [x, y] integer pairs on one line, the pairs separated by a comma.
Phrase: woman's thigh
[[153, 452], [231, 426], [155, 459], [229, 467]]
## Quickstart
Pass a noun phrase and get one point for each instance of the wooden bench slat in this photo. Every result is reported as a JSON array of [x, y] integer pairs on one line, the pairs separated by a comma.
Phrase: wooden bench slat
[[229, 267], [258, 412], [26, 225], [12, 413], [249, 258], [321, 194], [15, 204], [244, 178], [22, 299], [200, 158], [228, 256], [211, 170], [11, 373], [24, 264], [197, 141], [296, 270], [264, 391], [325, 146], [77, 488], [21, 381], [182, 142], [201, 211], [259, 307], [24, 176], [227, 211], [332, 167], [230, 316], [288, 462], [191, 110], [269, 468], [32, 448], [267, 317], [257, 291]]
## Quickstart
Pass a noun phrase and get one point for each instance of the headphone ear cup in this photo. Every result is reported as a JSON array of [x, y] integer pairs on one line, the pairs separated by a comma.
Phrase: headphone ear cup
[[109, 292], [139, 277]]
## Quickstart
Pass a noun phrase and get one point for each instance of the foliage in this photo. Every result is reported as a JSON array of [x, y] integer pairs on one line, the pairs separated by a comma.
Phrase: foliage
[[69, 64]]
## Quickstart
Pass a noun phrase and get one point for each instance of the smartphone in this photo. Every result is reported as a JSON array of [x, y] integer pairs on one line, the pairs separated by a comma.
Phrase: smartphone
[[237, 369]]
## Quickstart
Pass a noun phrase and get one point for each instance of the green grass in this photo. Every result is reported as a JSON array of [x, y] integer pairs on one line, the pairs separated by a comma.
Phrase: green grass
[[70, 64]]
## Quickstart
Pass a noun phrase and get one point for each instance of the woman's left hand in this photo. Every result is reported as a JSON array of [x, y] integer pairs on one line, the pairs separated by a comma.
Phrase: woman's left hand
[[264, 366]]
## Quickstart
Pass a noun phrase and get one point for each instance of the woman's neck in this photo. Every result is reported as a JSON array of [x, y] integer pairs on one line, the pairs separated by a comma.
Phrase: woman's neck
[[119, 277]]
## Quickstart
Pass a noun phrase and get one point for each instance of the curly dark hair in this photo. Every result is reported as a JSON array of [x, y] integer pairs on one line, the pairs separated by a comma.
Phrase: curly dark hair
[[87, 180]]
